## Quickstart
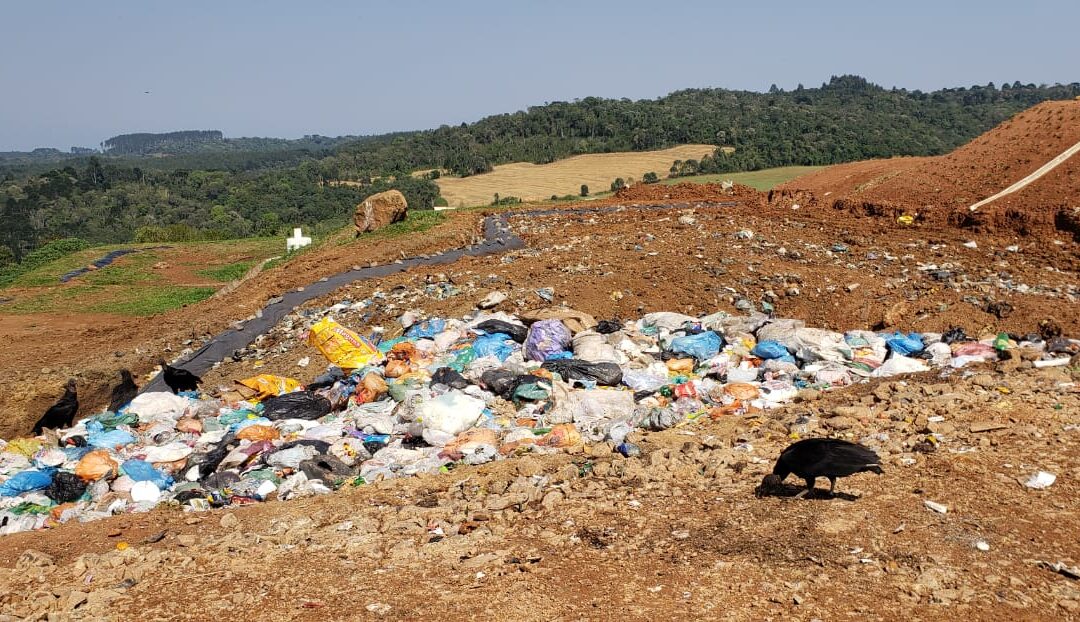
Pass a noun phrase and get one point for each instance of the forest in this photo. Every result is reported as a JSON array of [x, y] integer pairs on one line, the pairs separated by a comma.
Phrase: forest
[[211, 187]]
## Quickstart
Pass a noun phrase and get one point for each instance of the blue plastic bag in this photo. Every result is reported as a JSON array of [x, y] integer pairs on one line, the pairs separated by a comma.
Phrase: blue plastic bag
[[905, 345], [499, 345], [426, 329], [770, 350], [26, 481], [701, 346], [546, 339], [98, 438], [142, 471]]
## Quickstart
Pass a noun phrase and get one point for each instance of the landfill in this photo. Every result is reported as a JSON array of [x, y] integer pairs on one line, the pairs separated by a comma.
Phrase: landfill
[[451, 391]]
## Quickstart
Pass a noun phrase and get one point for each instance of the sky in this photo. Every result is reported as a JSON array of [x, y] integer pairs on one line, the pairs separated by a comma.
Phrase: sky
[[76, 73]]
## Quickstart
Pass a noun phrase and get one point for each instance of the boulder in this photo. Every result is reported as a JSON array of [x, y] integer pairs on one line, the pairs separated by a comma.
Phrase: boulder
[[379, 210]]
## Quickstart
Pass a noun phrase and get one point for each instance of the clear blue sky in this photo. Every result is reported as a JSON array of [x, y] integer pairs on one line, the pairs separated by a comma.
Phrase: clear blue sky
[[74, 72]]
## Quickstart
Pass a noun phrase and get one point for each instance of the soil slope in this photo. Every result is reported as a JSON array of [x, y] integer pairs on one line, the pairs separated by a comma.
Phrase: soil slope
[[941, 188]]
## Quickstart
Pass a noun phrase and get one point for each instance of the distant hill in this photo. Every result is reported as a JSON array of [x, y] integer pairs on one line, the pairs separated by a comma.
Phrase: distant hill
[[845, 119], [211, 141]]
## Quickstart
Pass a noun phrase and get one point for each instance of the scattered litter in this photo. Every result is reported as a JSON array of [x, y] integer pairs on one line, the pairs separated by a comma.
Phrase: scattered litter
[[937, 507], [1041, 480]]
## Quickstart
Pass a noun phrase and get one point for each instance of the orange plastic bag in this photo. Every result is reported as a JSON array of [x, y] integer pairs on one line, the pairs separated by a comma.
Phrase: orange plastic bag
[[742, 390], [95, 465], [256, 433], [681, 366], [268, 385], [371, 387], [342, 346], [561, 435], [395, 368]]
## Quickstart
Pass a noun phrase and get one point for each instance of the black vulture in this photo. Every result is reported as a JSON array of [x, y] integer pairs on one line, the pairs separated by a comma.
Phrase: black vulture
[[821, 457], [62, 413], [123, 393], [179, 379]]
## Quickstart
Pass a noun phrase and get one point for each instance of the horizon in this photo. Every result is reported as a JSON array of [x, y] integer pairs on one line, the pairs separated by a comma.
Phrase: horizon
[[282, 71]]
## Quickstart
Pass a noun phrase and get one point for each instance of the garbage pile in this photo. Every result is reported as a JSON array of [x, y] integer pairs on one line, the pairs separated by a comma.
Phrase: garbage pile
[[449, 392]]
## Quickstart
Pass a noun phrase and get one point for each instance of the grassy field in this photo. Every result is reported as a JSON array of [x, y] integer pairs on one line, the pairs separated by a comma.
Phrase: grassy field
[[156, 278], [762, 180], [540, 181]]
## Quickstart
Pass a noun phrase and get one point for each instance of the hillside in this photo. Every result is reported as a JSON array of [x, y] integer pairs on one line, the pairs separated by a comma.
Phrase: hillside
[[845, 119], [944, 187], [541, 181]]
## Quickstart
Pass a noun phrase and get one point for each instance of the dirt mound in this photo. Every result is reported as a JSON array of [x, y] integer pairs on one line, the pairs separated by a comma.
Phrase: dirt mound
[[690, 192], [379, 210], [940, 189]]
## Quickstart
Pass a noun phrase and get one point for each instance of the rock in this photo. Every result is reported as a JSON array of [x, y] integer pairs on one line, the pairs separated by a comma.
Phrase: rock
[[553, 498], [1069, 605], [492, 300], [857, 412], [34, 559], [987, 426], [229, 521], [379, 210], [186, 540], [501, 502], [895, 315], [985, 381], [75, 599], [808, 395], [841, 423]]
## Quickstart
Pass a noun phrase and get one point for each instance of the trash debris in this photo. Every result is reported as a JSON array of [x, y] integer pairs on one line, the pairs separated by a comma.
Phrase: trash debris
[[935, 506], [467, 390], [1072, 572], [1040, 480]]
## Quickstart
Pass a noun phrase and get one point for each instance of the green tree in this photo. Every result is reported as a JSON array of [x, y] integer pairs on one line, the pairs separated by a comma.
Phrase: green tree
[[650, 178], [618, 184], [584, 190]]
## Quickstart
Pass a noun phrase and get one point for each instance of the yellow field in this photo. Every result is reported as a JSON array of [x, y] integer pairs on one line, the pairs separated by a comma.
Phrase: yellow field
[[533, 181]]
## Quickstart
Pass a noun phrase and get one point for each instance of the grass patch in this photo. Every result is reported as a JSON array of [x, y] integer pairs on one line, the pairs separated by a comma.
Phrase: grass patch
[[130, 269], [415, 222], [227, 273], [765, 179], [144, 301], [60, 299]]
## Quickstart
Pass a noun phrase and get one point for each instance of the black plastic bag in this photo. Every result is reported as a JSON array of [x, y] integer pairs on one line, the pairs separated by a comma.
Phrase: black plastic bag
[[331, 376], [516, 332], [605, 374], [449, 377], [504, 383], [606, 327], [65, 488], [296, 405], [955, 334]]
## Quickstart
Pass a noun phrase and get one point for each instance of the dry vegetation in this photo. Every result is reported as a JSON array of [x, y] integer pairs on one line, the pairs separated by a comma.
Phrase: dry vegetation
[[532, 181]]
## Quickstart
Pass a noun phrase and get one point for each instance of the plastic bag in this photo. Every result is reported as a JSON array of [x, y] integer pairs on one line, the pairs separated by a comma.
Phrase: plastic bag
[[701, 346], [342, 346], [451, 413], [606, 327], [25, 481], [142, 471], [95, 465], [255, 433], [517, 332], [591, 411], [771, 350], [905, 344], [899, 365], [591, 346], [449, 377], [426, 329], [547, 338], [65, 487], [606, 374], [98, 437], [296, 405], [158, 405], [268, 385], [499, 345], [644, 380]]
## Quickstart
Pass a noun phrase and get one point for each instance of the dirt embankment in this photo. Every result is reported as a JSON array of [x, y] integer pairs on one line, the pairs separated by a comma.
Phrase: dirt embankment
[[939, 190]]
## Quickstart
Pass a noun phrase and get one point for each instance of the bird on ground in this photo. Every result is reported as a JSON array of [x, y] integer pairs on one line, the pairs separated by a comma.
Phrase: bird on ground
[[179, 379], [123, 393], [62, 413], [820, 457]]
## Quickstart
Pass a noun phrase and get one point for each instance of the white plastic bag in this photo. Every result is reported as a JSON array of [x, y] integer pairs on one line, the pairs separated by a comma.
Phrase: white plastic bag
[[452, 412]]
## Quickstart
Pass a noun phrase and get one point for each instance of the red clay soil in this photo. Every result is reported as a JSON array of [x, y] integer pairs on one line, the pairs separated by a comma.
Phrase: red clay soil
[[689, 192], [939, 189]]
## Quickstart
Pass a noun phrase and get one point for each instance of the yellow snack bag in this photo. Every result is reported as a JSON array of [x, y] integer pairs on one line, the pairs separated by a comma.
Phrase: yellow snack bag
[[268, 385], [342, 346]]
